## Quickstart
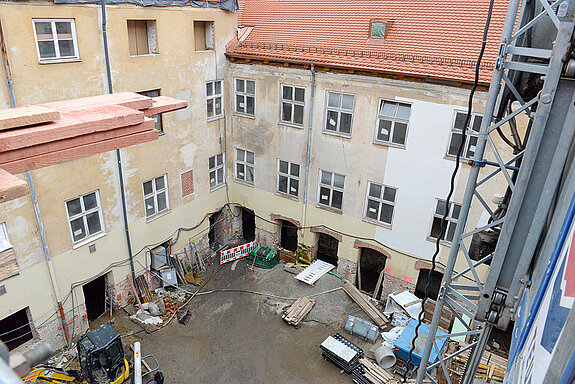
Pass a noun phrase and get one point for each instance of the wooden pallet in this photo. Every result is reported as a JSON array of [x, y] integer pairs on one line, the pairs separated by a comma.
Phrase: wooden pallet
[[375, 373], [378, 318], [298, 311]]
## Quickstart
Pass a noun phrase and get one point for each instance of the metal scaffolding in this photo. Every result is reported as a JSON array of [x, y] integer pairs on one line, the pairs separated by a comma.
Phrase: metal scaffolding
[[492, 301]]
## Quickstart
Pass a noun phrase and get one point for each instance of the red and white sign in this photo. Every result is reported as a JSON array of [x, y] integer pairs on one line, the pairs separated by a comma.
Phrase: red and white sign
[[236, 252]]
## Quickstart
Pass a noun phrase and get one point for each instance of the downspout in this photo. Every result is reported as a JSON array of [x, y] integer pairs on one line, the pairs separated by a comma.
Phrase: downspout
[[308, 151], [118, 154], [53, 280]]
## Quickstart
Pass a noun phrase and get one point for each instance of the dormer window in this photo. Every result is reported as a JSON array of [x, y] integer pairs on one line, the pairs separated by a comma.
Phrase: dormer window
[[378, 29]]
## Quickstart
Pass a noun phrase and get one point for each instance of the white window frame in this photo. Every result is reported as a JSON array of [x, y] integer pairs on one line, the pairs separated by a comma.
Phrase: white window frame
[[292, 104], [83, 215], [394, 120], [469, 134], [245, 95], [58, 58], [215, 169], [213, 97], [155, 192], [380, 201], [4, 240], [331, 188], [339, 110], [246, 165], [450, 220], [289, 178]]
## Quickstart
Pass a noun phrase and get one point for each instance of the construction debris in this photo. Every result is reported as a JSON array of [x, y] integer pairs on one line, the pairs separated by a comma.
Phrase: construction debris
[[312, 273], [361, 328], [368, 373], [376, 316], [298, 311], [341, 352]]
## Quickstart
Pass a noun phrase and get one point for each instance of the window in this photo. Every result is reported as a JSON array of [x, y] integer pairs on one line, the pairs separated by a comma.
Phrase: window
[[288, 178], [392, 122], [452, 216], [56, 39], [293, 99], [156, 195], [85, 216], [339, 113], [204, 35], [245, 165], [214, 99], [217, 170], [245, 96], [4, 241], [142, 37], [331, 189], [157, 118], [377, 29], [380, 203], [471, 137]]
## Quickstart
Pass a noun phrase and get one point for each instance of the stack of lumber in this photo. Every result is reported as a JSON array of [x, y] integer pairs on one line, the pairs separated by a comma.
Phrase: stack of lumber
[[38, 136], [298, 311], [368, 372], [491, 367], [446, 320], [376, 316]]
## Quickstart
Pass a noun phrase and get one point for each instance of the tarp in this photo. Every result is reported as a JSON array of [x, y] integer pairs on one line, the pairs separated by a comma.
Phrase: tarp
[[228, 5]]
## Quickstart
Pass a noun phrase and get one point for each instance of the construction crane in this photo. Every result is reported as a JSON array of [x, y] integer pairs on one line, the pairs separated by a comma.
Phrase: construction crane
[[533, 77]]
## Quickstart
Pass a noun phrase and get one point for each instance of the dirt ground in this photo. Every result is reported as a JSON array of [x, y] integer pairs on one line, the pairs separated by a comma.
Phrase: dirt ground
[[235, 337]]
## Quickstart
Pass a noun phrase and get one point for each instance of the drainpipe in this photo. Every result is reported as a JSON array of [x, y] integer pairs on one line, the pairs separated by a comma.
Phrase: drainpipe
[[53, 280], [118, 154], [308, 152]]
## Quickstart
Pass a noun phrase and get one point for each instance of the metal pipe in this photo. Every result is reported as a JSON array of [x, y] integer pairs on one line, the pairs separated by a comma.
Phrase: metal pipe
[[137, 363], [468, 196], [308, 149], [7, 375], [118, 153], [53, 280]]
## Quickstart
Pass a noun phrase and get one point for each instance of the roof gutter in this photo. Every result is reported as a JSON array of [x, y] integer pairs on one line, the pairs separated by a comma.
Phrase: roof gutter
[[308, 150]]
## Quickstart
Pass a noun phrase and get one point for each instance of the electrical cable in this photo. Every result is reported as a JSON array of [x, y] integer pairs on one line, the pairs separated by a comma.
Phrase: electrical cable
[[451, 188]]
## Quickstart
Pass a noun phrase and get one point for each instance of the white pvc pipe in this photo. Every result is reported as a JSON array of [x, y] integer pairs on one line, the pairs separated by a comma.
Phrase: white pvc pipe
[[137, 363]]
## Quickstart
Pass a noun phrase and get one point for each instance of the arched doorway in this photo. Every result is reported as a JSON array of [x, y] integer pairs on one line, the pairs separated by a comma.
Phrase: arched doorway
[[371, 264], [248, 224], [327, 248], [288, 235]]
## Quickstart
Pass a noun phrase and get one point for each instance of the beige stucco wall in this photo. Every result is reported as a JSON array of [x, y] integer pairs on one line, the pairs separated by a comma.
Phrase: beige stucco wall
[[188, 142]]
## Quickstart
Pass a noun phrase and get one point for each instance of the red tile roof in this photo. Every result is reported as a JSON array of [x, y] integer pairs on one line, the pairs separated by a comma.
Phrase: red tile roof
[[424, 38]]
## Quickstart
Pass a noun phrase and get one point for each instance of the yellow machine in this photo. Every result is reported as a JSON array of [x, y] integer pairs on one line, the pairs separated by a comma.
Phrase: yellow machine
[[101, 358]]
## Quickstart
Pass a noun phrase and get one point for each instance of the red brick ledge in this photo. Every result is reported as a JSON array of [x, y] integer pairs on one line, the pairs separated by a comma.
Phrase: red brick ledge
[[362, 244], [425, 265], [275, 217], [326, 231]]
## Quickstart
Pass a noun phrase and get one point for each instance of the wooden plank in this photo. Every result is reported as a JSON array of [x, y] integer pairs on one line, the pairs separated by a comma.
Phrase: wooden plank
[[53, 146], [29, 115], [71, 124], [378, 285], [378, 318], [163, 104], [11, 187], [8, 264], [70, 154], [126, 99]]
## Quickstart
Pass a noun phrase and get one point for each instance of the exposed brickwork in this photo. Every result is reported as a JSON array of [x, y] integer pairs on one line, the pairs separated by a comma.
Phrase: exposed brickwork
[[267, 239], [392, 284], [362, 244], [347, 269], [326, 231], [420, 264], [187, 183], [280, 217]]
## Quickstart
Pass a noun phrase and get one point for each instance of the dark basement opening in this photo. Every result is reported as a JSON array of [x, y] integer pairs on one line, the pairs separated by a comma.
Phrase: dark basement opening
[[327, 249], [95, 297], [371, 264], [248, 224], [436, 278], [15, 329], [215, 234], [288, 235]]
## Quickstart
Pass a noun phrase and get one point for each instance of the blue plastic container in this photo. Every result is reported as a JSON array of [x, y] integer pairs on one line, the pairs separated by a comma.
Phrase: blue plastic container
[[403, 344]]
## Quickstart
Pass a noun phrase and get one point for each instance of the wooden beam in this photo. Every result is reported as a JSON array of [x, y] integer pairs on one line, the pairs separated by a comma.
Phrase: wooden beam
[[60, 145], [126, 99], [11, 187], [71, 124], [163, 104], [70, 154], [29, 115]]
